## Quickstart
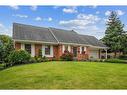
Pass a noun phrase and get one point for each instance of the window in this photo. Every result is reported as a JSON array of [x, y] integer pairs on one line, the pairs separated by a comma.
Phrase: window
[[28, 48], [47, 50], [82, 49]]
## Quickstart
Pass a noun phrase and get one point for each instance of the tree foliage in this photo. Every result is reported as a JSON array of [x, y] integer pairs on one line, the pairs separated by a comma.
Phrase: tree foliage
[[6, 46], [114, 34]]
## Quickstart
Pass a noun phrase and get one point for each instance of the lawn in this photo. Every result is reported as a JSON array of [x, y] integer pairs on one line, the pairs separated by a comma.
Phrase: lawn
[[65, 75]]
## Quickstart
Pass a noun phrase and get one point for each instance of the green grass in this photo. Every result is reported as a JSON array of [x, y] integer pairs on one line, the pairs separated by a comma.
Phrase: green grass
[[65, 75]]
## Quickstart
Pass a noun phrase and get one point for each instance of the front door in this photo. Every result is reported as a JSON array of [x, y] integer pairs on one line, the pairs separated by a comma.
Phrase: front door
[[75, 51]]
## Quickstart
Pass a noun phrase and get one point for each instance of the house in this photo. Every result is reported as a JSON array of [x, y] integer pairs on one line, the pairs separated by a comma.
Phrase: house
[[54, 42]]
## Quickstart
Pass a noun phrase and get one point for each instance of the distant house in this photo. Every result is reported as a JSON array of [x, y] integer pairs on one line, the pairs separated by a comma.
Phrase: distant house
[[54, 42]]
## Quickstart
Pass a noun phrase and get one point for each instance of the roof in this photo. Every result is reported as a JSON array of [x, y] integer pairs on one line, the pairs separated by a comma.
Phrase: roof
[[66, 36], [34, 33], [28, 32], [92, 40]]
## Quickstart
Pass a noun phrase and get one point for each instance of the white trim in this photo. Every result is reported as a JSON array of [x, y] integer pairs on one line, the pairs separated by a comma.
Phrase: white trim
[[22, 46], [32, 50], [63, 48], [80, 49], [84, 48], [98, 47], [30, 41], [51, 51], [69, 48], [43, 50], [60, 43]]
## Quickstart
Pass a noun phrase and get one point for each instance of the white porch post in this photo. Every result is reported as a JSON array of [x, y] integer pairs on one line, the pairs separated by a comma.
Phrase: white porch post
[[32, 50], [106, 54], [100, 53]]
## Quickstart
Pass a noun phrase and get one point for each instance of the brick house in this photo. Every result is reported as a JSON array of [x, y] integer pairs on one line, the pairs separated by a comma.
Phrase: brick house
[[53, 42]]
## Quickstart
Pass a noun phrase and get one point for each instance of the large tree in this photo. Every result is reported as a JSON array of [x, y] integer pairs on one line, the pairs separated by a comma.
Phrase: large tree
[[6, 46], [114, 34]]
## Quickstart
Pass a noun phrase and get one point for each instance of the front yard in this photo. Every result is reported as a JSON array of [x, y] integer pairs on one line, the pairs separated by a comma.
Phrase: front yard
[[65, 75]]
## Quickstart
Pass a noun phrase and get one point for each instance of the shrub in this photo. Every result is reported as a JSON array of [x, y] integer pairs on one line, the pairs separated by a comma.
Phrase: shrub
[[41, 59], [40, 53], [44, 59], [19, 57], [1, 66], [32, 60], [67, 56], [115, 61], [38, 59], [124, 57]]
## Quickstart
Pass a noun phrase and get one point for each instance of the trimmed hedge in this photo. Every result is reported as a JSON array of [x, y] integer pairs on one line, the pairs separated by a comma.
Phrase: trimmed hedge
[[115, 61], [123, 57]]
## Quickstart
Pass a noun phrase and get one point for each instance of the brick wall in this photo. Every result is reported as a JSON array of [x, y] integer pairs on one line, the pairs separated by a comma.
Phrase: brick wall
[[57, 51], [17, 46], [83, 55], [37, 48]]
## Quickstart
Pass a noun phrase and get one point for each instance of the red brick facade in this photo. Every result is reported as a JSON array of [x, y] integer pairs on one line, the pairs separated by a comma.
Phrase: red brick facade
[[57, 51], [82, 55], [17, 46], [38, 47]]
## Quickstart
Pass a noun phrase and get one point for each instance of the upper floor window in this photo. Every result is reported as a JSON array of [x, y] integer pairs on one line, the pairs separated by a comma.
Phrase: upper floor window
[[28, 48], [47, 50]]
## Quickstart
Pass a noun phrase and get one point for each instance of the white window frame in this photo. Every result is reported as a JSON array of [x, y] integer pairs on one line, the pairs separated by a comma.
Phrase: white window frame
[[51, 51], [63, 48], [84, 48], [32, 48], [22, 46], [69, 48], [81, 49]]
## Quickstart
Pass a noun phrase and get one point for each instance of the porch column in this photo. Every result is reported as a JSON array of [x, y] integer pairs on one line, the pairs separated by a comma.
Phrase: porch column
[[32, 50], [106, 54], [100, 53]]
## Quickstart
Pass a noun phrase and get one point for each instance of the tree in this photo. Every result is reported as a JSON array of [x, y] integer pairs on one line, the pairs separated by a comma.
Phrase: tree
[[114, 34], [124, 42], [6, 46]]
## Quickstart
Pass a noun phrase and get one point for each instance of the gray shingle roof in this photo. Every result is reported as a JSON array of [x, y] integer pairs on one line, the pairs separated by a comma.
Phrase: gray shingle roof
[[92, 40], [67, 36], [29, 32]]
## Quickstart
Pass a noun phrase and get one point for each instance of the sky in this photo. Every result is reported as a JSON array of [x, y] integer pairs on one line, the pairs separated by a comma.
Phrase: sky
[[87, 20]]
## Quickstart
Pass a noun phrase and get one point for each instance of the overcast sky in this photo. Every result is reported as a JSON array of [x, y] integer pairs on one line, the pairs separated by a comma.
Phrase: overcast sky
[[88, 20]]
